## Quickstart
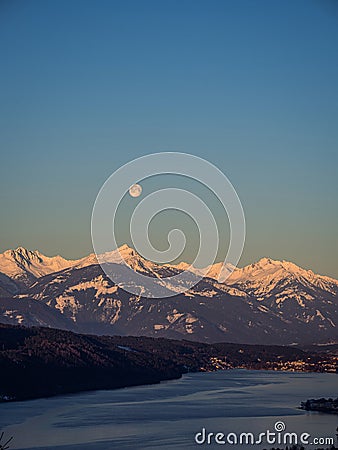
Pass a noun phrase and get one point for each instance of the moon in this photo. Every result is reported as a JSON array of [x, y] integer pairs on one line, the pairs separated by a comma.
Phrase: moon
[[135, 190]]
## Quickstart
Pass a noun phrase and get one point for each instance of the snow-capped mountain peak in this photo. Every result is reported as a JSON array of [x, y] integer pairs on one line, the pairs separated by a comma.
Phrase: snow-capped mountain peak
[[26, 265], [287, 289], [126, 254], [267, 268], [268, 301]]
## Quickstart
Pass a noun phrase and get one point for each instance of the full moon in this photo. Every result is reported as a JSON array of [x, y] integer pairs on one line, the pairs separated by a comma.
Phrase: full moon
[[135, 190]]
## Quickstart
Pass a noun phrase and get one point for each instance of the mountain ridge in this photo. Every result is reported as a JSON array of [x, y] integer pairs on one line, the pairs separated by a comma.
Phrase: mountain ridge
[[49, 264], [265, 302]]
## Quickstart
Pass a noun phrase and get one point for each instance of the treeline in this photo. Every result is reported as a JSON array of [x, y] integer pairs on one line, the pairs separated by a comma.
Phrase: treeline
[[328, 405], [38, 362]]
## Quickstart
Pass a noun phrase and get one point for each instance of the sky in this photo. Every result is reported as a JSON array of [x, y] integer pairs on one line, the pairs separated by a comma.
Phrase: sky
[[251, 86]]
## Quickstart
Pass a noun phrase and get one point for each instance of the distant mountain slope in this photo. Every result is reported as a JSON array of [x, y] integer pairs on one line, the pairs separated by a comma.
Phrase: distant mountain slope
[[25, 266], [268, 277], [8, 287], [290, 291], [29, 312], [90, 300], [266, 302], [210, 312]]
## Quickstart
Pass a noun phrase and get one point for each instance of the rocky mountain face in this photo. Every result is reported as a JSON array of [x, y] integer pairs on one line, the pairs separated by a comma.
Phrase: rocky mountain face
[[269, 302], [290, 292], [25, 266]]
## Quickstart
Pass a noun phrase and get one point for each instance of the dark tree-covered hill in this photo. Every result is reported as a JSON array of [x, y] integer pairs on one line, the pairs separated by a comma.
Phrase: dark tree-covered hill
[[37, 362]]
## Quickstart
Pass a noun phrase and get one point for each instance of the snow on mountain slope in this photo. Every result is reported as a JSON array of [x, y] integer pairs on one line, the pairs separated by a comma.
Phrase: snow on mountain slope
[[218, 271], [290, 291], [130, 256], [30, 313], [25, 266], [211, 311], [87, 298], [268, 278], [267, 302], [259, 277]]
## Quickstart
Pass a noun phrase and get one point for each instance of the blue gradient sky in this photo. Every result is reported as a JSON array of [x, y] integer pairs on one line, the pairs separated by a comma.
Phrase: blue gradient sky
[[86, 86]]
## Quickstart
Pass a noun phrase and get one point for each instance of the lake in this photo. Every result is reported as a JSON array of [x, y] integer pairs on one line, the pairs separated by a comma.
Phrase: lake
[[169, 415]]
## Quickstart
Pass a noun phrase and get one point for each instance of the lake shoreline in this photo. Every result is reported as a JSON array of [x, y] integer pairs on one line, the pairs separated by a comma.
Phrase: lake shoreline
[[171, 413], [46, 362], [164, 381]]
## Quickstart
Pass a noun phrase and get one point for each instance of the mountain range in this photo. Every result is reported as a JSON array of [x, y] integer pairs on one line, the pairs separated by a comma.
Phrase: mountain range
[[268, 302]]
